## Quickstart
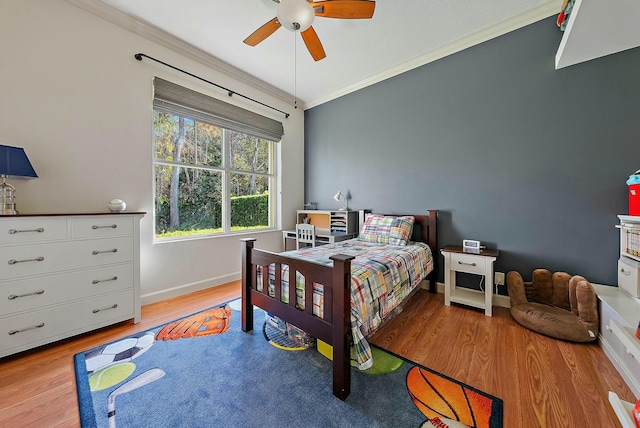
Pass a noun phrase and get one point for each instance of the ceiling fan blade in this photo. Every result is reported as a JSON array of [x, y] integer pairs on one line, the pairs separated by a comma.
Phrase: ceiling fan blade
[[344, 9], [314, 46], [263, 32]]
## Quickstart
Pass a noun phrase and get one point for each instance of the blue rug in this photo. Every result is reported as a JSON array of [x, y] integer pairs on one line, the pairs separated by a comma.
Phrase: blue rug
[[203, 371]]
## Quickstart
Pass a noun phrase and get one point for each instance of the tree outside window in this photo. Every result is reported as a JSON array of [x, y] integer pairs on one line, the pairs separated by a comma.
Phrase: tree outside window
[[209, 180]]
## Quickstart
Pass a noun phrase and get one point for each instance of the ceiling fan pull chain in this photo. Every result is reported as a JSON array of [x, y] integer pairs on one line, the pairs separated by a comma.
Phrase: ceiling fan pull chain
[[295, 72]]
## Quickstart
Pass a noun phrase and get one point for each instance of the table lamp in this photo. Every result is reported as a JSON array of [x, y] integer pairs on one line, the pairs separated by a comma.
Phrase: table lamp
[[13, 163], [337, 198]]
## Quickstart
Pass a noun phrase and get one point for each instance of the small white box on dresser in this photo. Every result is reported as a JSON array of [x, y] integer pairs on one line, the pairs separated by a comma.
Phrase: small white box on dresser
[[629, 275]]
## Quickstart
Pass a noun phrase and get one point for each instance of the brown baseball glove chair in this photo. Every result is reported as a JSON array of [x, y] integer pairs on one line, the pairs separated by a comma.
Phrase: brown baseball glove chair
[[556, 305]]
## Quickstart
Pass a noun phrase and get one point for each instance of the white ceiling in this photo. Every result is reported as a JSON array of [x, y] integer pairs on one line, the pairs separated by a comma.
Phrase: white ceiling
[[402, 35]]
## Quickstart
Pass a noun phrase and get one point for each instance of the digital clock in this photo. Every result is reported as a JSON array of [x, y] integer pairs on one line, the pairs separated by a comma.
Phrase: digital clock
[[470, 246]]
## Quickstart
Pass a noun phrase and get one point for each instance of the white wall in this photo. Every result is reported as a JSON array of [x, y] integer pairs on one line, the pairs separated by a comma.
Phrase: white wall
[[72, 94]]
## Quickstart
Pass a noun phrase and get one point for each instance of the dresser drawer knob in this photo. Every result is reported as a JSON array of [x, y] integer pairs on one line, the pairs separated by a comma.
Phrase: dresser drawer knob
[[465, 263], [98, 281], [111, 226], [33, 293], [115, 305], [14, 231], [12, 332], [95, 252], [37, 259]]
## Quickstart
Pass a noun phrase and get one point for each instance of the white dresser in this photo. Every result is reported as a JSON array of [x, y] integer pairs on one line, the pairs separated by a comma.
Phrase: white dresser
[[619, 316], [66, 274]]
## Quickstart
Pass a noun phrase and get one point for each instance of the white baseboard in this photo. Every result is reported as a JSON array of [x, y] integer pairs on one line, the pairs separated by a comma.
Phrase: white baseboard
[[187, 288], [498, 299]]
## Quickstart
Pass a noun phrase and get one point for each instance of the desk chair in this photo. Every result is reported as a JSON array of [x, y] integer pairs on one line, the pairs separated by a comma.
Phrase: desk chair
[[305, 233]]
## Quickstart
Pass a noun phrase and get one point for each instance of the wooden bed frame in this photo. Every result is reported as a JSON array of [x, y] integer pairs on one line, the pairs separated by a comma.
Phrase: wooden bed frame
[[334, 328]]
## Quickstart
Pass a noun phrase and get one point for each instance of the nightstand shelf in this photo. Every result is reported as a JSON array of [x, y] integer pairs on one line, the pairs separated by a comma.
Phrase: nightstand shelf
[[468, 297], [481, 263]]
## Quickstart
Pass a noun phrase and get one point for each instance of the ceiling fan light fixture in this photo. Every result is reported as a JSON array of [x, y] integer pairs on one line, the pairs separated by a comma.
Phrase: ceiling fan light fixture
[[295, 15]]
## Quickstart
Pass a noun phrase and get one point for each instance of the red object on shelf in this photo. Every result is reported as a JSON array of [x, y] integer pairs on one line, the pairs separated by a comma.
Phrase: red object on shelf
[[634, 199]]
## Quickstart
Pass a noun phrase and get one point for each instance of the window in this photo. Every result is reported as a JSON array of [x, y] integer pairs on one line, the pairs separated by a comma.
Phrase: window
[[212, 176]]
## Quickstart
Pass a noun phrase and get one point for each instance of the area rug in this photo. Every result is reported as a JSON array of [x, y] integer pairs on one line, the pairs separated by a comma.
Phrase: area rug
[[203, 371]]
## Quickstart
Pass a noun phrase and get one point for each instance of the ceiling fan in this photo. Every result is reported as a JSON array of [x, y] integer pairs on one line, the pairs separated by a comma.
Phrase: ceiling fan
[[298, 15]]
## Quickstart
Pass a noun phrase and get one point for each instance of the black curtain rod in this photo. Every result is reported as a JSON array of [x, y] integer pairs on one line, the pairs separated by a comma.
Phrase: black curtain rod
[[139, 56]]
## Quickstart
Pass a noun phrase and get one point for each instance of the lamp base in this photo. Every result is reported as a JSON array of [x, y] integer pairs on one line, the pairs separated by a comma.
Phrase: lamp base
[[8, 211], [7, 199]]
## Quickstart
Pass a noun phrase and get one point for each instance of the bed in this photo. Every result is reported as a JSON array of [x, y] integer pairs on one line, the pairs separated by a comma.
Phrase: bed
[[330, 277]]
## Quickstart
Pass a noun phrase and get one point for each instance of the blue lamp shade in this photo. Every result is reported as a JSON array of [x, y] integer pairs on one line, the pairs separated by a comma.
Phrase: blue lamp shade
[[15, 163]]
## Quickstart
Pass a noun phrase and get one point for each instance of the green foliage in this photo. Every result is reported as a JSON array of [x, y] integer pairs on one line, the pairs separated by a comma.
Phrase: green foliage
[[199, 232], [248, 211], [199, 202], [190, 168]]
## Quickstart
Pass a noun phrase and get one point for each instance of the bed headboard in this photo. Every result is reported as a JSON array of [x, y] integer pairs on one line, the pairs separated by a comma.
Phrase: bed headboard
[[424, 227], [424, 230]]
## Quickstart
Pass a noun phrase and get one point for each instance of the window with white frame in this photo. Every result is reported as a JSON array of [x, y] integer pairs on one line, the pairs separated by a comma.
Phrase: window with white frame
[[214, 173]]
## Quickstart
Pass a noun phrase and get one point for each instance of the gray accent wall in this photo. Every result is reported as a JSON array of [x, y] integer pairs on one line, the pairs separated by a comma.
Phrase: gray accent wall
[[525, 158]]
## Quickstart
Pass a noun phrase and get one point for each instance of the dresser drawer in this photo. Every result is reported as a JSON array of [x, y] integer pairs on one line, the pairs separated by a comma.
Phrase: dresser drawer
[[101, 226], [47, 325], [20, 261], [37, 292], [607, 315], [632, 366], [467, 263], [26, 230], [629, 276]]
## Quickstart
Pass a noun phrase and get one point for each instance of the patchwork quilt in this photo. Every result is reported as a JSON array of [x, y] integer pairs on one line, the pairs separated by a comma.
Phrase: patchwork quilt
[[382, 276]]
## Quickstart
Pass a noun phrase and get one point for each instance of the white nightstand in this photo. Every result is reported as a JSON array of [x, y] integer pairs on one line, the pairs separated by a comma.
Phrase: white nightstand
[[456, 260]]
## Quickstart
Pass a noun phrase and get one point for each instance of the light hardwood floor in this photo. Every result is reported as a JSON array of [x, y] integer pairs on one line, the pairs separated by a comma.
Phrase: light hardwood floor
[[543, 382]]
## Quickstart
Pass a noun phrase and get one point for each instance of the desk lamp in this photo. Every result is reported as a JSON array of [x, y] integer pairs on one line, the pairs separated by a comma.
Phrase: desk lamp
[[337, 198], [13, 163]]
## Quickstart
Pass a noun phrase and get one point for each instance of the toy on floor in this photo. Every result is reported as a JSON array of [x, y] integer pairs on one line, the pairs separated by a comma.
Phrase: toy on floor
[[556, 305]]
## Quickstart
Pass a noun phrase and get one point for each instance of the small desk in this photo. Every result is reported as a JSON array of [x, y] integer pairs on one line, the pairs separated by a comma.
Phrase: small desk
[[323, 236], [457, 260]]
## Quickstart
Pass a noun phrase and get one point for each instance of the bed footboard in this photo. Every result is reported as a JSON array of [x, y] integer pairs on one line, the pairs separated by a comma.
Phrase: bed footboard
[[333, 328]]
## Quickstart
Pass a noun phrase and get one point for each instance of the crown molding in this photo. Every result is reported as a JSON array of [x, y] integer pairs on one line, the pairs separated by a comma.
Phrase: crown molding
[[168, 41], [535, 15], [162, 38]]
